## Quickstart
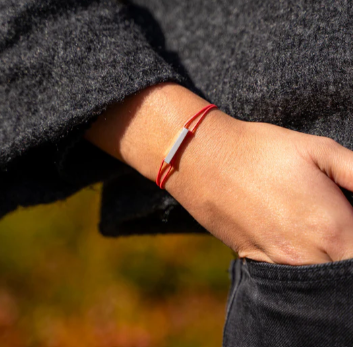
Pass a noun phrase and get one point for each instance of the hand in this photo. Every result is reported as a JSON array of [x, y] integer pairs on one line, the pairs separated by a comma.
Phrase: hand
[[267, 192]]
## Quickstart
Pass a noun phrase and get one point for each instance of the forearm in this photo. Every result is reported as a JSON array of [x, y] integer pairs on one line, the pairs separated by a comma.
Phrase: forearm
[[140, 130]]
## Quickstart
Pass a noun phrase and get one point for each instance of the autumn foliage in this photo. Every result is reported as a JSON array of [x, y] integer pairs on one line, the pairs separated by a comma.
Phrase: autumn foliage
[[64, 285]]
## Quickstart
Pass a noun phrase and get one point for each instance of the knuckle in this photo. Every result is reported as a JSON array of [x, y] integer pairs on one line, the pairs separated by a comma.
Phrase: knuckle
[[320, 147], [290, 258], [287, 253], [332, 243], [330, 235], [325, 232], [329, 142]]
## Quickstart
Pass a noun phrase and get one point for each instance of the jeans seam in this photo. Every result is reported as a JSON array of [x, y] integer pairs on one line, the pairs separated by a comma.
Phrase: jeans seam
[[235, 263]]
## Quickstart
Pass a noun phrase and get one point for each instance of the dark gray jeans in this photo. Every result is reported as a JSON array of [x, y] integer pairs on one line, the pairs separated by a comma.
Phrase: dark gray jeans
[[280, 305]]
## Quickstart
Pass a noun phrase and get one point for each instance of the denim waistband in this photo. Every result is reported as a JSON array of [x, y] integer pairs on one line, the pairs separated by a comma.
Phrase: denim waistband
[[318, 272]]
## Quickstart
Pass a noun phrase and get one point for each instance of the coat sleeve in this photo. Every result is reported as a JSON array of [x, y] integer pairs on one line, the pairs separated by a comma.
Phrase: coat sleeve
[[61, 64]]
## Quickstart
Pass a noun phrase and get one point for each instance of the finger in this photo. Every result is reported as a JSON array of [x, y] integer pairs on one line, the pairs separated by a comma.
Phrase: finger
[[335, 160], [340, 245]]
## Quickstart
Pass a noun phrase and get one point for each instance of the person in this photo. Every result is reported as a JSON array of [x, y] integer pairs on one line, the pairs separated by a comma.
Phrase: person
[[96, 91]]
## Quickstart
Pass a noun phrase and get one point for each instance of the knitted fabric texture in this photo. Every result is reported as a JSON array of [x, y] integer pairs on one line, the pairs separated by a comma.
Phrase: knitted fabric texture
[[287, 63]]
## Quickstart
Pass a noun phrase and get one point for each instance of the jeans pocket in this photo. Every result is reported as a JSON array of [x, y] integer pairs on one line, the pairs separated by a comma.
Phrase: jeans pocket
[[324, 272], [282, 305]]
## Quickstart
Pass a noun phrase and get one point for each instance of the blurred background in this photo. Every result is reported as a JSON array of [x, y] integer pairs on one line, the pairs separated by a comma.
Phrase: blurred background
[[63, 284]]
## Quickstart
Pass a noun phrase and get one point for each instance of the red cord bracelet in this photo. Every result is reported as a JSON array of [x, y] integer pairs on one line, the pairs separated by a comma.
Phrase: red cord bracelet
[[169, 159]]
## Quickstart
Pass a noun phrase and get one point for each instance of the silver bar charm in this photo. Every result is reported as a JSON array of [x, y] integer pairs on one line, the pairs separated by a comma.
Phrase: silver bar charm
[[176, 145]]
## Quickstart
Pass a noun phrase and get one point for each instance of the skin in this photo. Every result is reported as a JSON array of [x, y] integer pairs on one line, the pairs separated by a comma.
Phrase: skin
[[269, 193]]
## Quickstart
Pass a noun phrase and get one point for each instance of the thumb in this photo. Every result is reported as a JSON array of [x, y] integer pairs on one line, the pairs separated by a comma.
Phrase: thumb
[[335, 160]]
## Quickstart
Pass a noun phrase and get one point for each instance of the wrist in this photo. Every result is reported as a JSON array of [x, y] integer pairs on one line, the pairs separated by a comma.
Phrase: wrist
[[139, 130], [203, 158]]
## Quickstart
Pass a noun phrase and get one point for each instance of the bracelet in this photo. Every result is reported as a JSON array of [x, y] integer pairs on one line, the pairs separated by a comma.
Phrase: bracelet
[[169, 159]]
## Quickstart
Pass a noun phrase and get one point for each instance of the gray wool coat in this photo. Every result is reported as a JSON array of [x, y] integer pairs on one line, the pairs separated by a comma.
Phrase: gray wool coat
[[62, 63]]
